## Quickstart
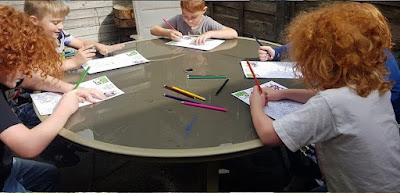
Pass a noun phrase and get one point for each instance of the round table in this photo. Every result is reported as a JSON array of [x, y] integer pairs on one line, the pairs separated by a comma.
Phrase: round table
[[145, 124], [142, 122]]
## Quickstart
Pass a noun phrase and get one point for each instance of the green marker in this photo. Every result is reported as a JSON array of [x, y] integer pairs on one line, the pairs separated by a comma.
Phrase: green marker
[[82, 77]]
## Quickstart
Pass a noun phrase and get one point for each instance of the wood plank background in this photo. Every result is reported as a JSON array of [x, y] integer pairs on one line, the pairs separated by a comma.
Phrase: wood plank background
[[267, 19], [87, 20]]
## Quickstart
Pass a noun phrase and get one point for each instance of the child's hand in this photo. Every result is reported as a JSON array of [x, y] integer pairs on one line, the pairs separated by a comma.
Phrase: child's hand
[[105, 49], [175, 35], [257, 99], [84, 54], [273, 95], [69, 103], [89, 93], [202, 38], [263, 55]]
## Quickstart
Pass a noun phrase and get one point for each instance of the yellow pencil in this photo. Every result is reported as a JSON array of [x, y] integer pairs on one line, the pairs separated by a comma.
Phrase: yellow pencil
[[189, 93]]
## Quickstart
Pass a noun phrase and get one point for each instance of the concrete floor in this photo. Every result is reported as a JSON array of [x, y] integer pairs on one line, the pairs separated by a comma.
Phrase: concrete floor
[[85, 169]]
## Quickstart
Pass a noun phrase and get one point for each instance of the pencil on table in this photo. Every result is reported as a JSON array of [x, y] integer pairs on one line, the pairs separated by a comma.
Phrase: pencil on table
[[206, 77], [222, 86], [205, 106], [172, 89], [189, 93], [177, 98]]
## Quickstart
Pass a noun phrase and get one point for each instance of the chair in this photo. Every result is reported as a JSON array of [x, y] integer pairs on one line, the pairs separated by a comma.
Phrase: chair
[[150, 13]]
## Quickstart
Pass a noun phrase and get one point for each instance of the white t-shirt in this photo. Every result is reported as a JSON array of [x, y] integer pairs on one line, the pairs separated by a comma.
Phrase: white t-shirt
[[357, 139], [206, 24], [64, 39]]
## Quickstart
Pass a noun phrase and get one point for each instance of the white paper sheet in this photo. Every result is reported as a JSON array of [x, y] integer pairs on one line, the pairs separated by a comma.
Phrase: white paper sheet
[[275, 109], [271, 69], [113, 62], [186, 42], [46, 102]]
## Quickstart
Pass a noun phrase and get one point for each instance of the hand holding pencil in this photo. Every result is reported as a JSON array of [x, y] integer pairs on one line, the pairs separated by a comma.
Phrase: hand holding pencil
[[173, 34]]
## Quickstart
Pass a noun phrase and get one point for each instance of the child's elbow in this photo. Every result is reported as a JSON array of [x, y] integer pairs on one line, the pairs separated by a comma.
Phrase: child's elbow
[[269, 137]]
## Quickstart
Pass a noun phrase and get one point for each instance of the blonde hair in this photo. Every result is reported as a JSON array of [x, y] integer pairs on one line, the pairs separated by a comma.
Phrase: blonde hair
[[24, 46], [41, 8], [193, 6], [341, 44]]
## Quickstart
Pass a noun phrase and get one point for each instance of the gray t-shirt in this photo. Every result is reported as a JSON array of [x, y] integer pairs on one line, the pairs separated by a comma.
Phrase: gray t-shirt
[[357, 139], [206, 24]]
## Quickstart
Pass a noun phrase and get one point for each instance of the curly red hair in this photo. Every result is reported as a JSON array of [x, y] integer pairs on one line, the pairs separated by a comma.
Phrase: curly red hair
[[341, 44], [24, 47]]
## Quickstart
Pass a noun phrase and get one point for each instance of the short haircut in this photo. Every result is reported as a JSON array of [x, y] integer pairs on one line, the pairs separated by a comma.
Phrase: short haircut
[[41, 8], [193, 6], [341, 44], [25, 47]]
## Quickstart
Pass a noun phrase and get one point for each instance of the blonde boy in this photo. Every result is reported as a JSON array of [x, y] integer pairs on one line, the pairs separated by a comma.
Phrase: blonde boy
[[50, 15], [192, 21]]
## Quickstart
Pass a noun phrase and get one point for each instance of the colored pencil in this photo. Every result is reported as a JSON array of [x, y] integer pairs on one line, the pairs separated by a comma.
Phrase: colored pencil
[[204, 106], [172, 27], [221, 87], [177, 98], [189, 93], [259, 43], [254, 76], [177, 91], [69, 54], [258, 84], [206, 77], [82, 77]]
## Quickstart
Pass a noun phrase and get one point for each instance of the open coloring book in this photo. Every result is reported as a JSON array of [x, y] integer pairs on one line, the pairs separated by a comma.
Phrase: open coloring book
[[113, 62], [275, 109], [186, 42], [46, 102], [271, 69]]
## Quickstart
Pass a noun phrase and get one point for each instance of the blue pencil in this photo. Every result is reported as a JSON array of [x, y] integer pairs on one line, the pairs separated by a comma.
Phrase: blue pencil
[[259, 43]]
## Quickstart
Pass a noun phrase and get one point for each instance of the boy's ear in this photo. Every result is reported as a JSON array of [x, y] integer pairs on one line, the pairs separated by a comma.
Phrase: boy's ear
[[205, 9], [34, 19]]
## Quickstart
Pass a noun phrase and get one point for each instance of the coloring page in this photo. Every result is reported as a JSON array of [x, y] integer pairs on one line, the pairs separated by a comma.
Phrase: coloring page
[[113, 62], [275, 109], [186, 42], [46, 102], [271, 69]]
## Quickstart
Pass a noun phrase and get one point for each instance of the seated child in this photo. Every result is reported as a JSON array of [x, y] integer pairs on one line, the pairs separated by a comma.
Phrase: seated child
[[27, 52], [50, 15], [340, 51], [192, 21]]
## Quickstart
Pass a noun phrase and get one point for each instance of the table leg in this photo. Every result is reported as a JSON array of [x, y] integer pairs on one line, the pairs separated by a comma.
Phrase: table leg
[[212, 176]]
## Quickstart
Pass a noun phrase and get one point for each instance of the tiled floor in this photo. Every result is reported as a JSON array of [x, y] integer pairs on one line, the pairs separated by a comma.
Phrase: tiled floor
[[84, 169]]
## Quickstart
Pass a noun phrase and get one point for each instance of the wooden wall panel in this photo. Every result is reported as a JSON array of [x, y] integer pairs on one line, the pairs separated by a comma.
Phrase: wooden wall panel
[[87, 20]]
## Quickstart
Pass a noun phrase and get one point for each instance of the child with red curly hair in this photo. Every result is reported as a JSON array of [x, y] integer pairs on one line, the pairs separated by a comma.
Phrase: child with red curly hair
[[339, 49], [26, 52], [192, 21]]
